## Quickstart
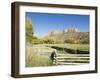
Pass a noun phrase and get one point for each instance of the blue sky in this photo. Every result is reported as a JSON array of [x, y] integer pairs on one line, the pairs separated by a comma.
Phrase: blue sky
[[46, 22]]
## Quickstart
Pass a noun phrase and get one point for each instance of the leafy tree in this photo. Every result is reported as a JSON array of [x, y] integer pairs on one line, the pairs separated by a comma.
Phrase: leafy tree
[[29, 30], [29, 26]]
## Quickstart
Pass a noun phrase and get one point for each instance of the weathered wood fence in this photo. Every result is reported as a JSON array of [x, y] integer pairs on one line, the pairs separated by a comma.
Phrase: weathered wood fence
[[63, 59]]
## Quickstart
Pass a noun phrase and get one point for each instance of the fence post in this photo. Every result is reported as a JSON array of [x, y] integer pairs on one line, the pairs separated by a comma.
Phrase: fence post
[[54, 57]]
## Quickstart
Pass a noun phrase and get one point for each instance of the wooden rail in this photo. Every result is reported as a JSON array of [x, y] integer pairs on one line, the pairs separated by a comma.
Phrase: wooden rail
[[63, 59]]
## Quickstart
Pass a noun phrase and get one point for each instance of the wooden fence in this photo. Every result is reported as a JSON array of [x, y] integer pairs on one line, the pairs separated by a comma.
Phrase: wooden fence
[[70, 59]]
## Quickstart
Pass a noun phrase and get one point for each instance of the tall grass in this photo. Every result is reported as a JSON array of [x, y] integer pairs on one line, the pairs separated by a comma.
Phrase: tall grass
[[36, 56], [33, 58]]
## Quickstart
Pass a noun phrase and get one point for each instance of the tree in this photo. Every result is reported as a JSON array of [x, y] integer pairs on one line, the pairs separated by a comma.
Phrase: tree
[[29, 26], [29, 30]]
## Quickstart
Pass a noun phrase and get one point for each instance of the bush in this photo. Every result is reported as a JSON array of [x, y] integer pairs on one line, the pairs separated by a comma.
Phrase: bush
[[49, 41], [84, 41], [69, 41], [37, 41], [77, 41]]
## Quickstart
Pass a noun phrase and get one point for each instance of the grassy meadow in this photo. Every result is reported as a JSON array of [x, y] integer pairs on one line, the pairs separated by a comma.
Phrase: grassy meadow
[[38, 55]]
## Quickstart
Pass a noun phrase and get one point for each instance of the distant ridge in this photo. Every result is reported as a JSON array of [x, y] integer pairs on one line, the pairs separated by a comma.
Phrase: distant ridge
[[71, 34], [65, 31]]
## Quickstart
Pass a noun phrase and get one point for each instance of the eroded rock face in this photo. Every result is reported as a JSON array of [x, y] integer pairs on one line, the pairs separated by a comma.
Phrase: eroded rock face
[[70, 35], [69, 30], [54, 32]]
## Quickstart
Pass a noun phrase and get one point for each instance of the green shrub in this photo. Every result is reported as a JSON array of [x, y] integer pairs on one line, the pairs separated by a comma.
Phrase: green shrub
[[84, 41], [49, 41], [70, 40], [37, 41]]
